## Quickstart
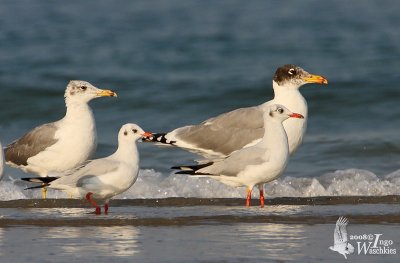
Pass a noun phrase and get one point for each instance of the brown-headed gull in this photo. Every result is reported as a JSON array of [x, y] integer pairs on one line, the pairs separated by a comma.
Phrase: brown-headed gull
[[253, 165], [229, 132], [64, 144], [101, 179]]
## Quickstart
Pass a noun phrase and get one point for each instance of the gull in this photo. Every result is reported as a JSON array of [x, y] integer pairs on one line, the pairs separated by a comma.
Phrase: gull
[[64, 144], [101, 179], [1, 161], [254, 165], [341, 244], [229, 132]]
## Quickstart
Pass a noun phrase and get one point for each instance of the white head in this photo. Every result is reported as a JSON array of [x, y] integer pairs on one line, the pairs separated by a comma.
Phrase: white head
[[79, 91], [280, 113], [131, 132], [291, 76]]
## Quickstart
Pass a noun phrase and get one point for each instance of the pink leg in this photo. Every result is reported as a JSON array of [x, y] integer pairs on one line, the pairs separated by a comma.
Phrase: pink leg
[[93, 203], [248, 199], [106, 208]]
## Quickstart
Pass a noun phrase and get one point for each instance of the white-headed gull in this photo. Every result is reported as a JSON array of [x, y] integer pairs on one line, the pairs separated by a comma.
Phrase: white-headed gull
[[101, 179], [254, 165], [341, 244], [229, 132], [64, 144]]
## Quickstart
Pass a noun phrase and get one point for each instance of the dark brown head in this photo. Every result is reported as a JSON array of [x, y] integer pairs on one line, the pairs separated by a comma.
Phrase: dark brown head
[[293, 76]]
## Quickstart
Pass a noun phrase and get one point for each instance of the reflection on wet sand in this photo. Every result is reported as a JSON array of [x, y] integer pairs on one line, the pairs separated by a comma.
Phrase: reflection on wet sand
[[273, 240], [223, 243], [107, 241]]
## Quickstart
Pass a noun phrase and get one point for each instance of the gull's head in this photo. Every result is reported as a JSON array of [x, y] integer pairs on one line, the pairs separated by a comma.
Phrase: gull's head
[[281, 113], [292, 76], [132, 132], [82, 92]]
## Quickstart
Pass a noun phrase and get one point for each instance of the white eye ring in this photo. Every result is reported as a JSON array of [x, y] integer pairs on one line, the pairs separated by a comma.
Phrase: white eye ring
[[291, 71], [280, 110]]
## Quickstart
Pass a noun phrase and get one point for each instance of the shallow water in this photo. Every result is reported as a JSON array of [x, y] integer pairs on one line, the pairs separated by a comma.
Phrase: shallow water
[[192, 230]]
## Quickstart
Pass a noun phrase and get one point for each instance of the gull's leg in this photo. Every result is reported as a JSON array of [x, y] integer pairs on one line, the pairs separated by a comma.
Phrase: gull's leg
[[93, 203], [44, 192], [248, 199], [261, 188], [106, 208]]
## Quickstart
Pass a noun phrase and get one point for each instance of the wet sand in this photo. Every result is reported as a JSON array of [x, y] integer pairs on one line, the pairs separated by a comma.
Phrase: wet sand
[[192, 229], [137, 212]]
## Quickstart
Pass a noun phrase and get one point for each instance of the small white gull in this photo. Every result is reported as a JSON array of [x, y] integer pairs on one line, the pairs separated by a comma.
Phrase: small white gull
[[64, 144], [101, 179], [254, 165], [228, 132]]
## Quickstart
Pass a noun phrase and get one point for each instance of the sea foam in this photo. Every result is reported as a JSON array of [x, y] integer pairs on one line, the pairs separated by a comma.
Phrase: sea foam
[[152, 184]]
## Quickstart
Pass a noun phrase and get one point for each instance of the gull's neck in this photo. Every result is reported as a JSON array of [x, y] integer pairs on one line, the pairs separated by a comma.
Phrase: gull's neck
[[78, 111], [275, 138], [286, 92], [127, 152]]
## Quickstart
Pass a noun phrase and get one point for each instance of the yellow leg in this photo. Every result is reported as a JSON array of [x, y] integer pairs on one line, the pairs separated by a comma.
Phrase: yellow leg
[[44, 192]]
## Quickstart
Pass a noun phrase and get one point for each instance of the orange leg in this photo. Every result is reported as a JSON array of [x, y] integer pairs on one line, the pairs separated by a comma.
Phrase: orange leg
[[262, 197], [261, 188], [248, 199], [93, 203]]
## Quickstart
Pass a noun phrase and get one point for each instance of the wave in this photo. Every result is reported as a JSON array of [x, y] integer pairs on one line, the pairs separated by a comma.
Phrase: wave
[[152, 184]]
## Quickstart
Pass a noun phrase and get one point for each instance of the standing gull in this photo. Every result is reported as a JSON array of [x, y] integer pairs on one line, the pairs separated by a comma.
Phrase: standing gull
[[254, 165], [228, 132], [64, 144], [101, 179]]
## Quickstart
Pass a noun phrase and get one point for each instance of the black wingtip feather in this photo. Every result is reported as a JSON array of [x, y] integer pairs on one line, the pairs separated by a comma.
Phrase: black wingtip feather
[[35, 187], [158, 138], [191, 173], [191, 168], [45, 180]]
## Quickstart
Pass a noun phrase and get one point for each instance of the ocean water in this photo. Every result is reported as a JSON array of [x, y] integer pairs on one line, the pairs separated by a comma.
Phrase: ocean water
[[176, 63]]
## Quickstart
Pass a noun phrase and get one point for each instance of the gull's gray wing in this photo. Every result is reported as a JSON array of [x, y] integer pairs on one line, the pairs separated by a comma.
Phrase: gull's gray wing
[[237, 162], [87, 171], [30, 144], [223, 134]]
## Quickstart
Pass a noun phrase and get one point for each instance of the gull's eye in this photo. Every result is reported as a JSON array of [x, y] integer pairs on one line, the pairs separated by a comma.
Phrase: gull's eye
[[280, 110], [292, 71], [134, 130], [83, 88]]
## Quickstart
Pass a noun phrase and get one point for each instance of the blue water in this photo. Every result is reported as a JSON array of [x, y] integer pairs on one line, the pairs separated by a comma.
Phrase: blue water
[[180, 62], [175, 63]]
